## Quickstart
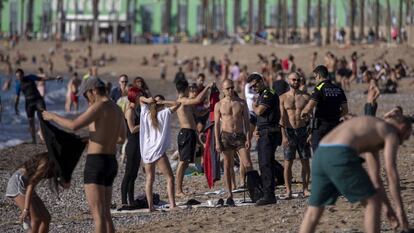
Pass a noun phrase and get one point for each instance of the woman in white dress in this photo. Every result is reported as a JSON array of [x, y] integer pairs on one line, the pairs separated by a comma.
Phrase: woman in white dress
[[155, 136]]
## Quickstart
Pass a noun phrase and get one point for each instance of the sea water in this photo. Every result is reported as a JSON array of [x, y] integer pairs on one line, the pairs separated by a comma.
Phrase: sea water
[[14, 129]]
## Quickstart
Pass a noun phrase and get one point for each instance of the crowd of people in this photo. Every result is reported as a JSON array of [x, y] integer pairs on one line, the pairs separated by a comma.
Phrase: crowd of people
[[263, 106]]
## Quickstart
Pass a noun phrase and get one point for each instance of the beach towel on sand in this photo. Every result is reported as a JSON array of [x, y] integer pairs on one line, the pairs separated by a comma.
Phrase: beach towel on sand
[[210, 157], [63, 147]]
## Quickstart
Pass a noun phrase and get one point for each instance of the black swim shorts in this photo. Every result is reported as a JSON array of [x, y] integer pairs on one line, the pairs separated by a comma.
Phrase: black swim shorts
[[33, 105], [297, 139], [187, 141], [100, 169]]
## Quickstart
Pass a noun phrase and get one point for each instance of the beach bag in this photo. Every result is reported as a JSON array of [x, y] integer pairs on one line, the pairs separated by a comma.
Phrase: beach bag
[[254, 185], [280, 180]]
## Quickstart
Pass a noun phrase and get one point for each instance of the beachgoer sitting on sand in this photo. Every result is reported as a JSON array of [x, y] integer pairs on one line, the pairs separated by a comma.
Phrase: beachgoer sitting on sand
[[107, 128], [231, 129], [21, 187], [155, 126], [337, 170]]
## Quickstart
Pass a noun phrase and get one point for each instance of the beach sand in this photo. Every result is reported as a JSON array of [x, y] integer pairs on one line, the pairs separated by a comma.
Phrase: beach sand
[[70, 213]]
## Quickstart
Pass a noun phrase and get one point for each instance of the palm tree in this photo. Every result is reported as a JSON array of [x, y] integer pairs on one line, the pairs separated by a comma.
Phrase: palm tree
[[361, 20], [319, 18], [225, 17], [1, 9], [400, 21], [308, 8], [328, 23], [178, 29], [284, 21], [250, 16], [95, 11], [388, 28], [409, 15], [377, 18], [236, 14], [352, 32], [295, 15], [205, 17], [262, 13], [29, 23], [166, 26]]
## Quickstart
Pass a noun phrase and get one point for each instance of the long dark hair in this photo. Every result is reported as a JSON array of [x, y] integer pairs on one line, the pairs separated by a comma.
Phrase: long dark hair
[[40, 167], [154, 109]]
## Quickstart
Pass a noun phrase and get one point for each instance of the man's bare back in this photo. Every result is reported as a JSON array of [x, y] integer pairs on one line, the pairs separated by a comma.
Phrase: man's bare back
[[103, 136], [292, 105], [230, 112], [364, 134]]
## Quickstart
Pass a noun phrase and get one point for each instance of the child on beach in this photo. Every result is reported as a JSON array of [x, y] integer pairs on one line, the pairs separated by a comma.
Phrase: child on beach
[[21, 187]]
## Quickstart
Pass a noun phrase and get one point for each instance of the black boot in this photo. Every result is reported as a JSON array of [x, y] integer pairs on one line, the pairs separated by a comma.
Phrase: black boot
[[266, 200]]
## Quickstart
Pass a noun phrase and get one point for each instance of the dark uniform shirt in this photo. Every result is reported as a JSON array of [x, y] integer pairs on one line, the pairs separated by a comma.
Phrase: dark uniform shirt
[[329, 98], [280, 87], [271, 116]]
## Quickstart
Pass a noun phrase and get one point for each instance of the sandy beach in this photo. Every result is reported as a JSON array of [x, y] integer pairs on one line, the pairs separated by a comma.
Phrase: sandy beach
[[70, 213]]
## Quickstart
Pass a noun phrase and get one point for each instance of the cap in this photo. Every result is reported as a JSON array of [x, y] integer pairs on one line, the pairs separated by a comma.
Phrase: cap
[[90, 84]]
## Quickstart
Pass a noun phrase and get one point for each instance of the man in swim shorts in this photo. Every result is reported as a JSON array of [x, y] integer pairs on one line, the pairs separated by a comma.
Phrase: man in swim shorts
[[337, 170], [107, 128], [231, 129]]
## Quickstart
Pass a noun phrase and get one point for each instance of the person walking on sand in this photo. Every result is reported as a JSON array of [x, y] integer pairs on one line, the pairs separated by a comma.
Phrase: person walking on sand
[[337, 170], [106, 125], [155, 134], [34, 101], [295, 133], [231, 131], [187, 137]]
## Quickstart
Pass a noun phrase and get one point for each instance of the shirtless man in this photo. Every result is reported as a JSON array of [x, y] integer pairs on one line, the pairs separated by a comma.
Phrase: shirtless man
[[371, 105], [337, 170], [294, 133], [231, 132], [187, 137], [72, 93], [107, 128]]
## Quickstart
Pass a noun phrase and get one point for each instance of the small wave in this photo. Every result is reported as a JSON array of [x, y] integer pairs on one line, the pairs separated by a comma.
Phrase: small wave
[[11, 142]]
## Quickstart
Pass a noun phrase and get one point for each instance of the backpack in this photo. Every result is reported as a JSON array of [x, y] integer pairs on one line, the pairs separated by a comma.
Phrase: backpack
[[254, 185]]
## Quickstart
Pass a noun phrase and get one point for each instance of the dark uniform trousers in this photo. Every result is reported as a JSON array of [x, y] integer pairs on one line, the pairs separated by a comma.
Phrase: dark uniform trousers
[[266, 148], [320, 130]]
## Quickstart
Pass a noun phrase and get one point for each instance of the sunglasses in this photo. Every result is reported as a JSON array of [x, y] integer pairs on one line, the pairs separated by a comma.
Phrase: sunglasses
[[295, 80], [254, 85]]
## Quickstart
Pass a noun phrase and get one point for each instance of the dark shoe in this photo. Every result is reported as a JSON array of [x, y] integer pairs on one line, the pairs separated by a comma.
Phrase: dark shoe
[[220, 202], [266, 200], [230, 202], [124, 207]]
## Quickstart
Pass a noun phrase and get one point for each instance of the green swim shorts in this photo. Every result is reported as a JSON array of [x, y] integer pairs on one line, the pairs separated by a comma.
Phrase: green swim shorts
[[337, 170]]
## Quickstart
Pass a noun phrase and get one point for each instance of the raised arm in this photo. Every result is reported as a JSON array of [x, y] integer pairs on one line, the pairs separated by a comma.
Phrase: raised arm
[[198, 99], [82, 121], [246, 123], [173, 105], [283, 121]]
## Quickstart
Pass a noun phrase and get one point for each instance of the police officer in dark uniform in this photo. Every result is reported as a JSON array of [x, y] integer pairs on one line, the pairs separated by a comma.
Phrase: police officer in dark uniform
[[268, 116], [330, 102]]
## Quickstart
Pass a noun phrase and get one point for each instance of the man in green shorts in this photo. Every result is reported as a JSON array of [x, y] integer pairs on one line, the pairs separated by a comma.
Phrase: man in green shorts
[[337, 170]]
